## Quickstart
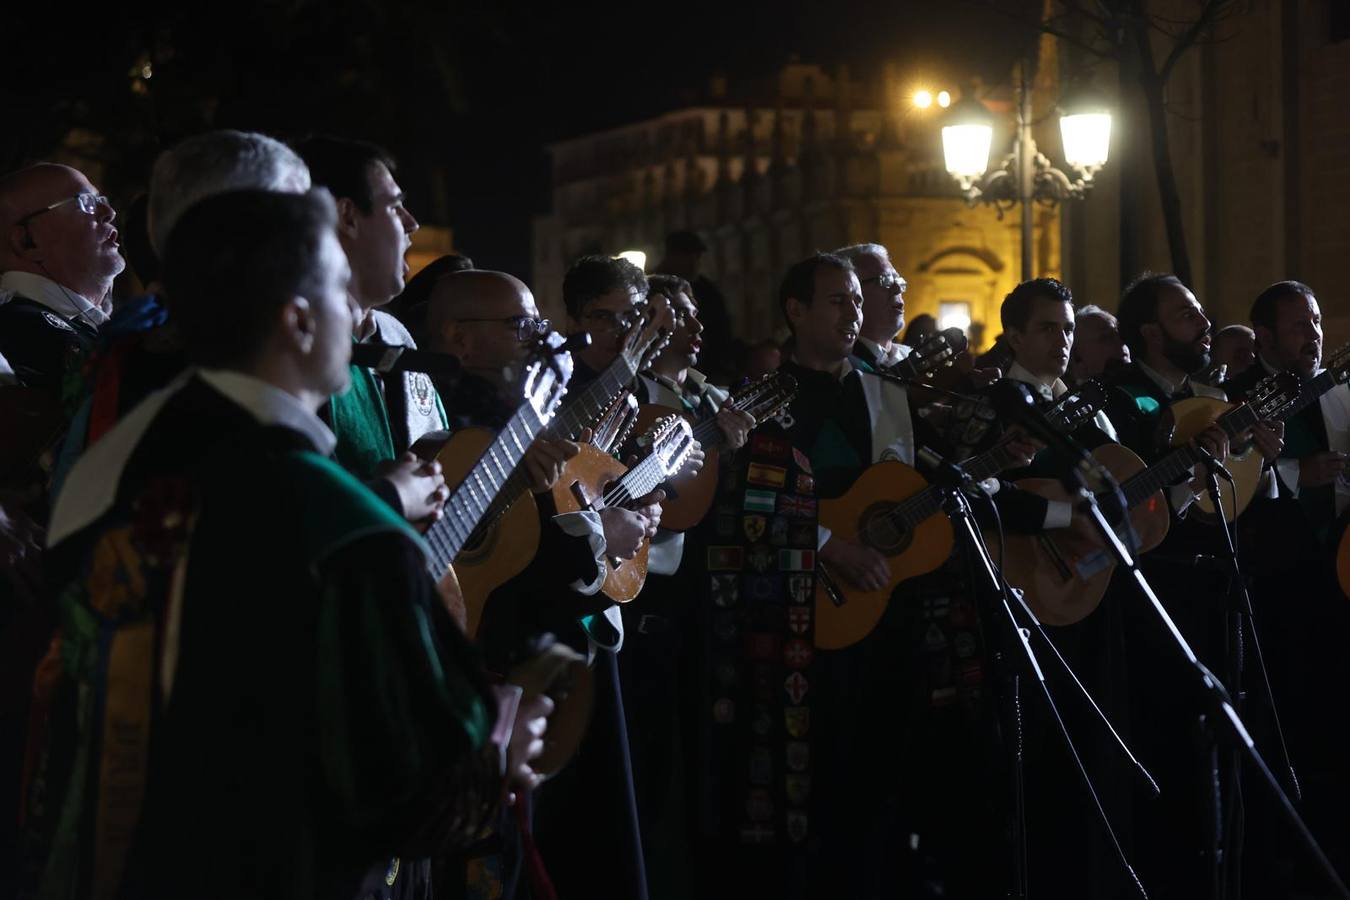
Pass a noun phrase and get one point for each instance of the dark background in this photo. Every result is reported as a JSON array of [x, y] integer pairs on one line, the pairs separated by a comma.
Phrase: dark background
[[466, 94]]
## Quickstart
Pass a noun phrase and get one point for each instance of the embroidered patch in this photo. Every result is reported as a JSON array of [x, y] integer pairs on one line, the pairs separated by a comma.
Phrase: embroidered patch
[[796, 687], [423, 393], [760, 501], [57, 322], [797, 720], [796, 560], [766, 476]]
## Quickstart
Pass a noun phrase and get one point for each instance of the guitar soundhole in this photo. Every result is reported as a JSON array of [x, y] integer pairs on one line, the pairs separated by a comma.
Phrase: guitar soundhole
[[883, 532]]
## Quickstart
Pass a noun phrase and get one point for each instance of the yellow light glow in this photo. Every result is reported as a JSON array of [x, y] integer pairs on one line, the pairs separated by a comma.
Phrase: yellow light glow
[[944, 99], [636, 257], [1087, 139], [923, 99]]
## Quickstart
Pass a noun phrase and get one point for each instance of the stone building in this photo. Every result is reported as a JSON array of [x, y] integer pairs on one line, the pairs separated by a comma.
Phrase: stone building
[[824, 163], [816, 159]]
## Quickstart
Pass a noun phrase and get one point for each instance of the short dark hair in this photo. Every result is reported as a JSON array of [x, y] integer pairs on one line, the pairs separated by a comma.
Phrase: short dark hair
[[669, 286], [234, 260], [685, 242], [1266, 304], [800, 281], [343, 166], [594, 276], [1139, 306], [1017, 306], [410, 307]]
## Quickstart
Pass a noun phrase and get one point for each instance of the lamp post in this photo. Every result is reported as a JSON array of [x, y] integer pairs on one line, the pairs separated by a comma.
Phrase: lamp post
[[1025, 175]]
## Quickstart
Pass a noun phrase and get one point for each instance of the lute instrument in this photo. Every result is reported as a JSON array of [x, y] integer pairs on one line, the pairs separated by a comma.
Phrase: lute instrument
[[594, 480], [508, 537], [689, 496]]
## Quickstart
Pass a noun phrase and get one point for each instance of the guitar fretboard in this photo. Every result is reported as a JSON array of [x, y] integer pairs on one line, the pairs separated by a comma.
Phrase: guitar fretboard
[[1174, 465], [472, 500], [577, 414], [1311, 392]]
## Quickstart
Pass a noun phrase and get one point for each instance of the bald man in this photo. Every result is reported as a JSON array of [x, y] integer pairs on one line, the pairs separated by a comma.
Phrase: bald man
[[1235, 347], [488, 320], [59, 255]]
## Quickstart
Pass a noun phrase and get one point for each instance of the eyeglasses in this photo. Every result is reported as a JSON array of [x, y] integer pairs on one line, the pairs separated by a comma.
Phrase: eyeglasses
[[889, 280], [89, 204], [614, 321], [527, 327]]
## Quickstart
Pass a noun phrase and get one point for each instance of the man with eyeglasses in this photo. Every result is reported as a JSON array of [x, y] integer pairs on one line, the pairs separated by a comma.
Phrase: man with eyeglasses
[[59, 256], [883, 291]]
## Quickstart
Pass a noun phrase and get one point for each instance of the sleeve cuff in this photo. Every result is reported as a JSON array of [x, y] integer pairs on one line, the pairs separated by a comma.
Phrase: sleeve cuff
[[1288, 472], [1058, 514], [822, 536], [508, 701], [586, 524]]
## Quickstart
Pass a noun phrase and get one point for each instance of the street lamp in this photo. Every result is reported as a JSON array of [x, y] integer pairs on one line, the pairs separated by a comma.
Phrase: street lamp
[[1025, 174]]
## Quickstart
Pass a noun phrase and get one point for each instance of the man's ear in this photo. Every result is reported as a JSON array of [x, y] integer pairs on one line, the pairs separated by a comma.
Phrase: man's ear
[[454, 339], [19, 242], [795, 310], [1265, 338], [297, 318], [1150, 332], [1014, 337], [349, 217]]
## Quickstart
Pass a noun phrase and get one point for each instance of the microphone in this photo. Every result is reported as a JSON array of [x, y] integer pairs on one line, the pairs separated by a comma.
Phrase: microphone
[[943, 471], [1015, 402], [1213, 463]]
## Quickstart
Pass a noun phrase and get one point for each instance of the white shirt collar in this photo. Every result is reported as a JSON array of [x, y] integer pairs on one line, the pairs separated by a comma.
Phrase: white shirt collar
[[61, 300], [1161, 380], [91, 487], [889, 357], [271, 405], [1052, 390]]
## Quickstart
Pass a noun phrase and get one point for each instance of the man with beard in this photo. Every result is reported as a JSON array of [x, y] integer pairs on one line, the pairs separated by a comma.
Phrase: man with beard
[[1287, 322], [1169, 338], [1303, 614]]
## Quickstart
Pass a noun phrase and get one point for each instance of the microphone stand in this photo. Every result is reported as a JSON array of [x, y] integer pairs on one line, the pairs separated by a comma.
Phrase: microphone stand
[[1239, 606], [1219, 716], [952, 479]]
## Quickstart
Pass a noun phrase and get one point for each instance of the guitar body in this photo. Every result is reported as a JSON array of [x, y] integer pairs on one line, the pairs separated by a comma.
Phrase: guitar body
[[688, 497], [507, 545], [1192, 416], [860, 515], [1063, 575], [583, 482]]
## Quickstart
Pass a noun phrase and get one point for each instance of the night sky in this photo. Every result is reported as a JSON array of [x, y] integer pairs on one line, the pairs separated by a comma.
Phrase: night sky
[[475, 88]]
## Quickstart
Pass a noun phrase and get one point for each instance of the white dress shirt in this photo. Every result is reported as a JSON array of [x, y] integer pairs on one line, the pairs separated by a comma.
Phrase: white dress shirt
[[59, 299]]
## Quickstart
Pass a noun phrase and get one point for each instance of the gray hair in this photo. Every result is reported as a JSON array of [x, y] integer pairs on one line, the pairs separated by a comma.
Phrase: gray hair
[[214, 163], [1092, 309], [855, 252]]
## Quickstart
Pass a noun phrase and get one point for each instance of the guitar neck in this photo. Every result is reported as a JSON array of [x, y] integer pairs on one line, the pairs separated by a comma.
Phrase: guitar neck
[[482, 487], [1312, 392], [641, 479], [577, 414], [1171, 467]]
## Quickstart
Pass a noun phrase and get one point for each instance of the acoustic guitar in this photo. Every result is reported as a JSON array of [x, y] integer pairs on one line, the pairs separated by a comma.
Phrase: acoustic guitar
[[508, 537], [1064, 575], [894, 510], [689, 496], [594, 480], [543, 384]]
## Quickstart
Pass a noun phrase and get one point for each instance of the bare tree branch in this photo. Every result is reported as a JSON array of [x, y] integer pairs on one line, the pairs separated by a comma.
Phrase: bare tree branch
[[1208, 14]]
